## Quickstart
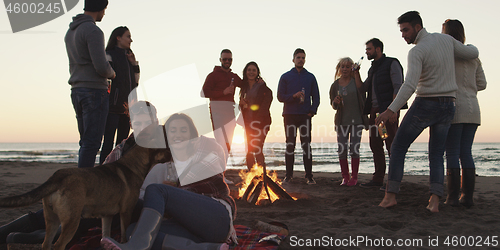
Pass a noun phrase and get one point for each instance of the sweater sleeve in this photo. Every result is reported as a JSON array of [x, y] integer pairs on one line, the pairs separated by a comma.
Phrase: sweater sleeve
[[315, 96], [267, 98], [283, 96], [208, 88], [462, 51], [155, 176], [411, 81], [480, 77], [333, 94], [95, 43]]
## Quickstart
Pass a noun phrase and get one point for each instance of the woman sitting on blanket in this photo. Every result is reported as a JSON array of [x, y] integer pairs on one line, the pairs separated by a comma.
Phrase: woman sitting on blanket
[[30, 228], [197, 204]]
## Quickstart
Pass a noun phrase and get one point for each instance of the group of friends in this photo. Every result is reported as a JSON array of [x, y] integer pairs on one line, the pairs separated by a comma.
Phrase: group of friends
[[176, 213]]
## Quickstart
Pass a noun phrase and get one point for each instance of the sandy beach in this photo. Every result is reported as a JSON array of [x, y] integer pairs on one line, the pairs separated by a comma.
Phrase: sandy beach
[[327, 215]]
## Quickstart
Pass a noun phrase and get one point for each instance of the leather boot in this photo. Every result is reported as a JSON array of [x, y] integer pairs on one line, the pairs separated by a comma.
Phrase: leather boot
[[344, 167], [453, 186], [171, 242], [35, 237], [354, 176], [24, 224], [468, 184], [144, 233]]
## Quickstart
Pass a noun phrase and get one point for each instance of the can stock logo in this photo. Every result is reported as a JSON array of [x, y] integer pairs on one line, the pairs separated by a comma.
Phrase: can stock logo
[[26, 14]]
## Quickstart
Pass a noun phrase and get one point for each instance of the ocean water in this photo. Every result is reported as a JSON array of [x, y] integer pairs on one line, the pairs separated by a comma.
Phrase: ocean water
[[325, 159]]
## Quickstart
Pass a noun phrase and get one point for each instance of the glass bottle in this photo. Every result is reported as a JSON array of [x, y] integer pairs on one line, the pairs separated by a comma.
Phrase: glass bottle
[[303, 95], [356, 65], [382, 130]]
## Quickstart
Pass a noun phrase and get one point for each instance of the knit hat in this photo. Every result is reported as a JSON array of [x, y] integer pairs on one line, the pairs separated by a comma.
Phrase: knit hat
[[95, 5]]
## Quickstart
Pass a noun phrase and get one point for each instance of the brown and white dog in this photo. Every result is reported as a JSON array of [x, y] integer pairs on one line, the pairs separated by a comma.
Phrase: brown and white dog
[[98, 192]]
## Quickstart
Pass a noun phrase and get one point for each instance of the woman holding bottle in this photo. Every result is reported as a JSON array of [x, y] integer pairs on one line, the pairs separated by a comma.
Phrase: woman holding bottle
[[123, 61], [348, 100], [470, 79], [255, 101]]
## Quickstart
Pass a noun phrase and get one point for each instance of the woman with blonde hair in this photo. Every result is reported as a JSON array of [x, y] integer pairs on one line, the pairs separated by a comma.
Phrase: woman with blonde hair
[[347, 98]]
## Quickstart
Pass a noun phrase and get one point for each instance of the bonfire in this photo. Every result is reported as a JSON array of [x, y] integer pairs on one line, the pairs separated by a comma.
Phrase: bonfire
[[259, 188]]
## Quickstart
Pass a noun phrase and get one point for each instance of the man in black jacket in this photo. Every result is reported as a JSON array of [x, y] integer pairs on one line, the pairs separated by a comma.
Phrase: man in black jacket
[[385, 77]]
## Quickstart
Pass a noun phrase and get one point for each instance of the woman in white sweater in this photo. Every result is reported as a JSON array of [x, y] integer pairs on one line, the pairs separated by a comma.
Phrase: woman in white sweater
[[470, 79]]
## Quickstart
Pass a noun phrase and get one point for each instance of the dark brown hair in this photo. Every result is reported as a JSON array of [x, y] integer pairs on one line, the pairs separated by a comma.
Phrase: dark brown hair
[[244, 85], [455, 29], [412, 17], [181, 116], [298, 50], [226, 51], [118, 32], [376, 43]]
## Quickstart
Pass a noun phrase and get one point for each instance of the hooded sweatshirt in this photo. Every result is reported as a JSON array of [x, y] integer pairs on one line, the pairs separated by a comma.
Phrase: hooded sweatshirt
[[217, 81], [87, 59]]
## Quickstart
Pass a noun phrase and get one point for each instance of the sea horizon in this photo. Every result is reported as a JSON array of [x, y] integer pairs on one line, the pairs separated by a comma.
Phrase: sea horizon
[[325, 158]]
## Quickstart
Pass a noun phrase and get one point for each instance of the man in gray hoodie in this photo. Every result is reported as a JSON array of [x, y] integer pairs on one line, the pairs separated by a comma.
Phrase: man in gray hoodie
[[89, 71]]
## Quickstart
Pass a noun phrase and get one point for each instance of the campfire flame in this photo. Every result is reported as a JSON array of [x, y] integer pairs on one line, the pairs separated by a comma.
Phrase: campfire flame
[[257, 171]]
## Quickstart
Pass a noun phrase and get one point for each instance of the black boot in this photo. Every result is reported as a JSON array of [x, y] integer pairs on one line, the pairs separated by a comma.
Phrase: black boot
[[453, 186], [35, 237], [26, 223], [468, 184]]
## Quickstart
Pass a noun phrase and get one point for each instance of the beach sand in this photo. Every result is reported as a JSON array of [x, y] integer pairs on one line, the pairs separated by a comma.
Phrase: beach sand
[[327, 214]]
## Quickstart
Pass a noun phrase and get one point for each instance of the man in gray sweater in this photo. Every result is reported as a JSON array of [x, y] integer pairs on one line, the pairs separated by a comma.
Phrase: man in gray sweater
[[89, 71], [431, 74]]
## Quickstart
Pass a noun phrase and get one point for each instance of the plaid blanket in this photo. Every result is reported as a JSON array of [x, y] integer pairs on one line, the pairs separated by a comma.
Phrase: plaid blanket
[[247, 239]]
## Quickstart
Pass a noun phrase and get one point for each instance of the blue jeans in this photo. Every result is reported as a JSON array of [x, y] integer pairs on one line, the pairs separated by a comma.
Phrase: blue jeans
[[436, 113], [193, 216], [91, 108], [118, 124], [459, 145]]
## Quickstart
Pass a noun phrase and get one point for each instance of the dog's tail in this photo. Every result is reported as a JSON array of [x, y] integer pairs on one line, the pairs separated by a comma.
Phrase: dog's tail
[[26, 199]]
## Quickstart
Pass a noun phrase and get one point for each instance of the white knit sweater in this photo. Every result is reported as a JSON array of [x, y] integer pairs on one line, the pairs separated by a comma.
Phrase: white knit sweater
[[470, 79], [431, 67]]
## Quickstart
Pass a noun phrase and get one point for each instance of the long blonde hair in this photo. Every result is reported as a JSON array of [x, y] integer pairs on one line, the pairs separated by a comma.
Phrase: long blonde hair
[[343, 61]]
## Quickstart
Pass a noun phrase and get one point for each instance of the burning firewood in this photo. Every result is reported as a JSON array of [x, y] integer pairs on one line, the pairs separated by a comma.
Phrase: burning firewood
[[258, 186]]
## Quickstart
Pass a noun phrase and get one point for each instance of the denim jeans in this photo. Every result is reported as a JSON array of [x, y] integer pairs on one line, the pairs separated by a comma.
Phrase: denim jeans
[[459, 145], [436, 113], [349, 139], [193, 216], [118, 124], [303, 124], [91, 108]]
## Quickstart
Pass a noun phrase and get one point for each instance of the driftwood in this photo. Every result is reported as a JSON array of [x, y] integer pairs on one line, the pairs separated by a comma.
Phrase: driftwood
[[263, 181], [266, 227], [277, 189], [250, 188], [256, 193]]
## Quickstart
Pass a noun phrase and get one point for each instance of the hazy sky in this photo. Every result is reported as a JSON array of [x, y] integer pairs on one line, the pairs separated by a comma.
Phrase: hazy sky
[[36, 103]]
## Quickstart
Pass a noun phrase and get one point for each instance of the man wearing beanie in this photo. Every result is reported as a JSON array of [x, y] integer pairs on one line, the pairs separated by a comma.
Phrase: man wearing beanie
[[89, 71]]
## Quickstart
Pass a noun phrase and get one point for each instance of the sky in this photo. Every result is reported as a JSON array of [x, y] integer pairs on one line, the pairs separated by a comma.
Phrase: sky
[[175, 36]]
